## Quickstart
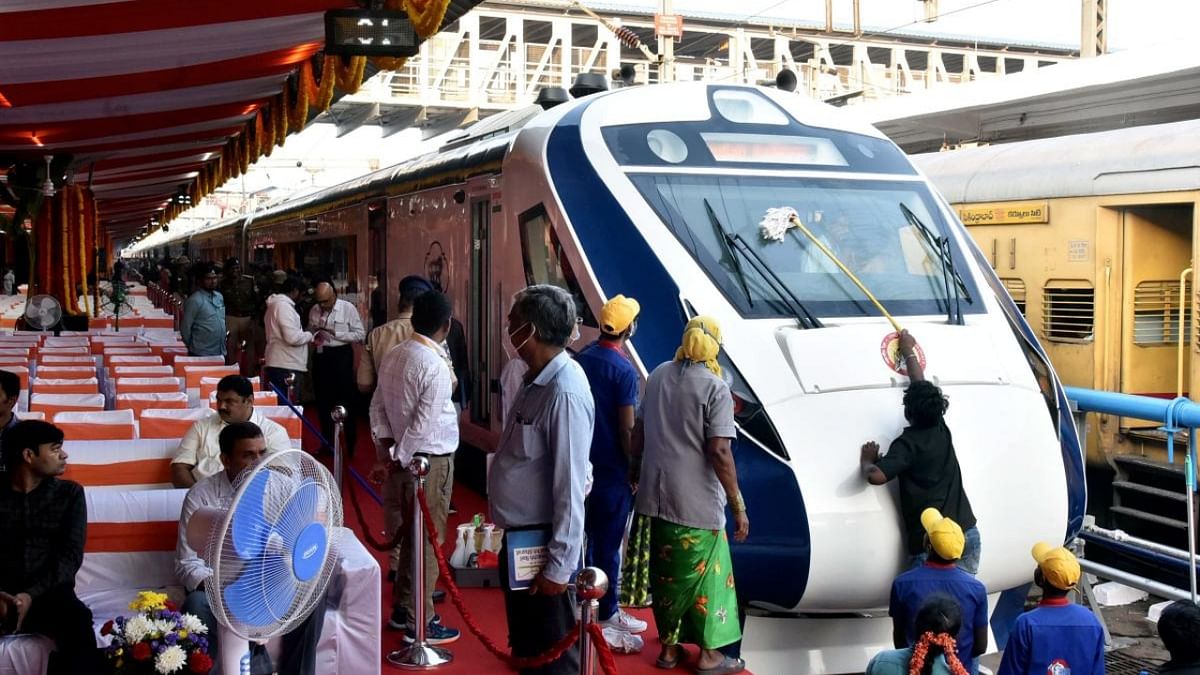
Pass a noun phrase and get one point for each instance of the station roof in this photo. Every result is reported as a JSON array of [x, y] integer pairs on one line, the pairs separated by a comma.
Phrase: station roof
[[144, 93], [1124, 89]]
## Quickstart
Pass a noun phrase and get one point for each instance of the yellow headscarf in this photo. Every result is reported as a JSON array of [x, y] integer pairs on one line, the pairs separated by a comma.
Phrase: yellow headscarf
[[701, 343]]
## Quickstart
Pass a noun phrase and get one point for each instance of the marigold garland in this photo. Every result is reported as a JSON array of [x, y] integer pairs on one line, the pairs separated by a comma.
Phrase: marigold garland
[[82, 245], [426, 15], [949, 647]]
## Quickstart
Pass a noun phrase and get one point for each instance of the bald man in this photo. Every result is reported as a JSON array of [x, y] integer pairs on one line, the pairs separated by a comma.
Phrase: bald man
[[336, 325]]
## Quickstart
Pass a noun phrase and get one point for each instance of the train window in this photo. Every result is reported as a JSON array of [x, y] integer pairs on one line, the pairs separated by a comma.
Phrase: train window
[[546, 263], [1156, 313], [1068, 311], [1016, 290]]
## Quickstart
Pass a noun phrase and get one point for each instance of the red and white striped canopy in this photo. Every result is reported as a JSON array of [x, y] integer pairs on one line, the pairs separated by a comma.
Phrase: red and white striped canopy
[[144, 92]]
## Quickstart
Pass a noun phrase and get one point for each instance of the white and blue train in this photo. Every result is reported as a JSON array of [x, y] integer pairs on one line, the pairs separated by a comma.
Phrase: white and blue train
[[658, 193]]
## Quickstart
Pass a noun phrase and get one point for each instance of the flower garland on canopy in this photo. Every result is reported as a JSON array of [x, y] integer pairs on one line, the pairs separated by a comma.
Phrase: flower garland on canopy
[[290, 111]]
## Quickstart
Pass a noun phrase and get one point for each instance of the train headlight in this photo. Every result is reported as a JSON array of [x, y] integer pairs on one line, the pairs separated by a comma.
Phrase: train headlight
[[748, 412]]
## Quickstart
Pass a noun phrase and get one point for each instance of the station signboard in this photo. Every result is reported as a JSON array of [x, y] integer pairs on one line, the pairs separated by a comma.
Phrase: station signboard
[[1007, 213], [668, 25]]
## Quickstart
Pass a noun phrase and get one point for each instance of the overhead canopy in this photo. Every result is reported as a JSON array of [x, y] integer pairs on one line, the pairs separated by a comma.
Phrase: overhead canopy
[[145, 95], [1146, 86]]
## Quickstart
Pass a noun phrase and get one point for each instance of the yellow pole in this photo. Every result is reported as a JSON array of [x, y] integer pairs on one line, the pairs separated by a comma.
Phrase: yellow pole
[[845, 270], [1179, 360]]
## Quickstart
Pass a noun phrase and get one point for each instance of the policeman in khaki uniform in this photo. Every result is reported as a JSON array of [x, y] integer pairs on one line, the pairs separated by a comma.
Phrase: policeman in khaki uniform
[[241, 312]]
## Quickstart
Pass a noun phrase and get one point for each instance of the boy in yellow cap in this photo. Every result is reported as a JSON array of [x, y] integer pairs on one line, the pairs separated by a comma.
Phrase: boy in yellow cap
[[614, 384], [1059, 637], [940, 575]]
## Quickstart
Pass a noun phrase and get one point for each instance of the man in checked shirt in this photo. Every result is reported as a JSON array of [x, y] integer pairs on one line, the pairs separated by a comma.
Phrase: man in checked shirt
[[43, 524]]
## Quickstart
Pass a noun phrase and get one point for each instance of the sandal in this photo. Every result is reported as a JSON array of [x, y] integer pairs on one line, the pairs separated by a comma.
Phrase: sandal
[[727, 666], [667, 664]]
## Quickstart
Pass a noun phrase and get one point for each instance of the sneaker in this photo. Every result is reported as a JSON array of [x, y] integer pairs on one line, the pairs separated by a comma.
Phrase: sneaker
[[625, 622], [439, 596], [435, 633], [621, 642], [399, 618]]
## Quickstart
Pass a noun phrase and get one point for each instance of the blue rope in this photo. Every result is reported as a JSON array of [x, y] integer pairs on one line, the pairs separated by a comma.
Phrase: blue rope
[[303, 420]]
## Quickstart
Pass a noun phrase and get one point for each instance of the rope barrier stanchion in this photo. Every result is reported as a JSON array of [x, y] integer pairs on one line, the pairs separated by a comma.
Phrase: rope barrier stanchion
[[590, 585], [420, 655], [551, 655], [338, 415]]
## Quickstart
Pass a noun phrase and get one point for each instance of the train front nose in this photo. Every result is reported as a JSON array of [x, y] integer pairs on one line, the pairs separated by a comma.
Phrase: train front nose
[[1011, 463]]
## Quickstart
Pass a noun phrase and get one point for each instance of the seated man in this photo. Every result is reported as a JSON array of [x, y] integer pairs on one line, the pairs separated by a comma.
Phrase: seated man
[[1179, 628], [199, 455], [939, 575], [1058, 636], [241, 444], [10, 391], [43, 524]]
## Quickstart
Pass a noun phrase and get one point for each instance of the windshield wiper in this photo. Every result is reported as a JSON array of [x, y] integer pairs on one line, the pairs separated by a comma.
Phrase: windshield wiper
[[941, 247], [734, 243], [734, 262]]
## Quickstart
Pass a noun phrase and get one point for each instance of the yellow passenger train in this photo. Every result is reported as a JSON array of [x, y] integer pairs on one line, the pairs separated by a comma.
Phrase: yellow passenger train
[[1092, 235]]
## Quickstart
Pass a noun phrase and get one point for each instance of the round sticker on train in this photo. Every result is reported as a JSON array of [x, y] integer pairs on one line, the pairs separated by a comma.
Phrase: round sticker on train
[[889, 351]]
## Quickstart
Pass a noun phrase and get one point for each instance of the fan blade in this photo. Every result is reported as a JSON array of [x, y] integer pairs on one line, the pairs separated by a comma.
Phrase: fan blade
[[299, 512], [250, 526], [263, 593]]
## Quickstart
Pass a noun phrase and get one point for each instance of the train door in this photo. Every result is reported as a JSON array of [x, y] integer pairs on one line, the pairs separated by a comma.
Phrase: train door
[[378, 304], [1157, 248], [479, 320]]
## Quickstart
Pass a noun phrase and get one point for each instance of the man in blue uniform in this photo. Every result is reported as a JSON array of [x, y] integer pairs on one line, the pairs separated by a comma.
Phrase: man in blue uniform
[[614, 384], [1059, 637], [940, 575]]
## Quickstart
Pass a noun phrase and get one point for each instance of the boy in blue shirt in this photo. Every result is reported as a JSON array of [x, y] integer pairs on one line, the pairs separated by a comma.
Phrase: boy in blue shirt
[[614, 384], [1059, 637], [944, 543]]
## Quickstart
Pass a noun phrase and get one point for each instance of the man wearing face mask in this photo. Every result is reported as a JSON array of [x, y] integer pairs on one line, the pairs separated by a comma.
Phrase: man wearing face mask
[[537, 481]]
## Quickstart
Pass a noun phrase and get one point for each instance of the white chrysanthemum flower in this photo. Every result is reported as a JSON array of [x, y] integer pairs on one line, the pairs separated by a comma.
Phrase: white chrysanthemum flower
[[170, 660], [164, 626], [137, 628], [193, 624], [776, 222]]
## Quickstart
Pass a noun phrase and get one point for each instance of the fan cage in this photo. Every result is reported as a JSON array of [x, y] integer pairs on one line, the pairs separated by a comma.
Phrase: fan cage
[[287, 475]]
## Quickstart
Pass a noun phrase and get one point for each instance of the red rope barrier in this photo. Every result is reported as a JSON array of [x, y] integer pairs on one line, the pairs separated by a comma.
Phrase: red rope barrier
[[519, 663], [604, 654]]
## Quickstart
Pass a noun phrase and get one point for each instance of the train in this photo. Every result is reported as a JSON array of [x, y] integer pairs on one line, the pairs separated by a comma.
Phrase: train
[[660, 192]]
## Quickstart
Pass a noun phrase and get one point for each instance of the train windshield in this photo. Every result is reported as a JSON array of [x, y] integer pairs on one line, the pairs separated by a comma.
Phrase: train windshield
[[862, 222]]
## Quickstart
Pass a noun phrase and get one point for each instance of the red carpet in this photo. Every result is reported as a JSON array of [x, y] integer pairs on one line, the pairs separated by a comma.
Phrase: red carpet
[[487, 605]]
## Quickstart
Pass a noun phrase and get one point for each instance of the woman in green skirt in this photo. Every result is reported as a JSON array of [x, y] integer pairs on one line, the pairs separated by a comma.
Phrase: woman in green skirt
[[683, 436]]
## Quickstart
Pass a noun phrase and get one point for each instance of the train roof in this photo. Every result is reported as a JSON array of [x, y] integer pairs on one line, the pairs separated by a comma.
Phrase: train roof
[[1158, 158], [478, 148]]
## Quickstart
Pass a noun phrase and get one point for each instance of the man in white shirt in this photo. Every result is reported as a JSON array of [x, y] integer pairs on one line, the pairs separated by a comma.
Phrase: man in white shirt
[[385, 336], [287, 341], [336, 326], [241, 446], [199, 452], [411, 412]]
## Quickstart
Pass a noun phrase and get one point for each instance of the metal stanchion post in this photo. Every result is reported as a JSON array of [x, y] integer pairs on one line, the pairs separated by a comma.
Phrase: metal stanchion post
[[590, 585], [290, 383], [419, 655], [339, 419]]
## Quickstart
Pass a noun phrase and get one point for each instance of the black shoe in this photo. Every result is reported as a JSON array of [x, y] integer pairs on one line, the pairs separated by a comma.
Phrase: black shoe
[[439, 596], [399, 618], [452, 510], [391, 576]]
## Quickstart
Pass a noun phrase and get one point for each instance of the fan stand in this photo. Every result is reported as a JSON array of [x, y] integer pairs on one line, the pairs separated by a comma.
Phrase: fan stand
[[234, 650]]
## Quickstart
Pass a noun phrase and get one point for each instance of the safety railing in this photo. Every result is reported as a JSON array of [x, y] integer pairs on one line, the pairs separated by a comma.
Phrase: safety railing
[[1175, 415]]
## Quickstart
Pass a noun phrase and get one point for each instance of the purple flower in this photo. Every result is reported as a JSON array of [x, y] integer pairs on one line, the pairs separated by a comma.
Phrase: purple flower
[[170, 638]]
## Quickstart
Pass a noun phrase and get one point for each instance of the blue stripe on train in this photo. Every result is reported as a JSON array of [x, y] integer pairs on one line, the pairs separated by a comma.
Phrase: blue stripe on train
[[773, 566]]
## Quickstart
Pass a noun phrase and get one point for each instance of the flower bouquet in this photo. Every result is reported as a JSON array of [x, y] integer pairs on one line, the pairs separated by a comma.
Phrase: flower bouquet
[[157, 639]]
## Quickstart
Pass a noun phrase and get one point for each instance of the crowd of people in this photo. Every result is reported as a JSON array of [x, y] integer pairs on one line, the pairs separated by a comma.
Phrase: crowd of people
[[581, 453]]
